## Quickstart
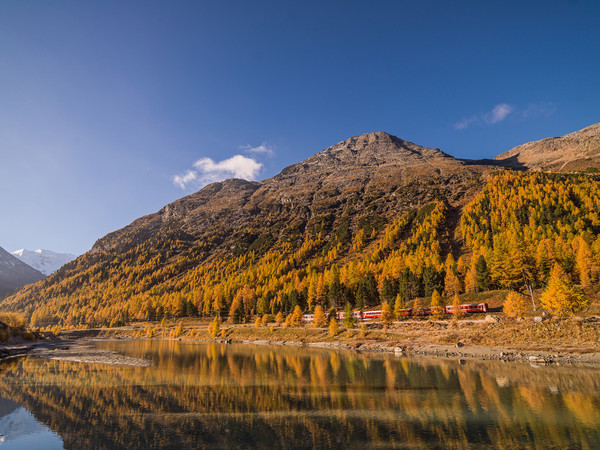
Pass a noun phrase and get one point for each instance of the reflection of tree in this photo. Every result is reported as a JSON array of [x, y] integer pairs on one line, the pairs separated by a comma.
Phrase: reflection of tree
[[213, 395]]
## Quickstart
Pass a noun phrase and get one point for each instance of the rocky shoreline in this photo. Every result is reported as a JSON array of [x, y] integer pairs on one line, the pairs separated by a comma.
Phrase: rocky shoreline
[[75, 345], [457, 351]]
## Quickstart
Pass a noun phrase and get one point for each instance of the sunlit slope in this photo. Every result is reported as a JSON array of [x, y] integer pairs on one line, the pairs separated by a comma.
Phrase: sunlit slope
[[370, 219]]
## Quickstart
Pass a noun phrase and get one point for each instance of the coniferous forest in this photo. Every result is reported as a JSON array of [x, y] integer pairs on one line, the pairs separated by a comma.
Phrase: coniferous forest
[[522, 231]]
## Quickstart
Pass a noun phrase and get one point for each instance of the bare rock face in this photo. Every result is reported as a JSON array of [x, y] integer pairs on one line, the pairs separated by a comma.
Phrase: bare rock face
[[15, 274], [575, 151], [372, 173]]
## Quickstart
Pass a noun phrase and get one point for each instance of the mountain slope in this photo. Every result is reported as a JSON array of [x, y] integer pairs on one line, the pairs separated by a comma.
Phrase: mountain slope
[[371, 218], [14, 273], [575, 151], [44, 261], [327, 208], [375, 170]]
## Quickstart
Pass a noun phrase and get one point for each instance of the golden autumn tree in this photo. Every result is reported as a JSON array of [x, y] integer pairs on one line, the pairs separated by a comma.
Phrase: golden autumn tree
[[584, 262], [436, 304], [319, 319], [515, 305], [296, 319], [334, 328], [398, 307], [213, 328], [279, 318], [451, 281], [387, 317], [457, 312], [561, 297]]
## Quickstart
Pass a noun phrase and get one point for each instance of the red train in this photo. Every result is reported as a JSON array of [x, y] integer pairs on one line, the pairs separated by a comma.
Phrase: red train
[[408, 312]]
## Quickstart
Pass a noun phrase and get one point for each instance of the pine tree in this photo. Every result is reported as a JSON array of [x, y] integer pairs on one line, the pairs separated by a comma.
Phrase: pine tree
[[349, 319], [482, 274]]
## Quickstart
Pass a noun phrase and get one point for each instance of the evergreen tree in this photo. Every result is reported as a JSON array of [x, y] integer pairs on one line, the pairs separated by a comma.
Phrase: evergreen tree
[[388, 292], [349, 319], [482, 274], [361, 297], [331, 315]]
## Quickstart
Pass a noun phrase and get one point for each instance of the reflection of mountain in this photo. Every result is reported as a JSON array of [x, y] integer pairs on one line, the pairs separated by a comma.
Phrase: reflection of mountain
[[19, 429], [219, 396]]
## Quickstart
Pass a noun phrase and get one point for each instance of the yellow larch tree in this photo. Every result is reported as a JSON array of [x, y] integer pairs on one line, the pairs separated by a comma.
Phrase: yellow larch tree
[[561, 297]]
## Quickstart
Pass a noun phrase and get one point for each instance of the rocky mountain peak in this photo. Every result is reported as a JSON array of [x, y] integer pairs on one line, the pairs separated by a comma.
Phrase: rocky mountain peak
[[579, 150]]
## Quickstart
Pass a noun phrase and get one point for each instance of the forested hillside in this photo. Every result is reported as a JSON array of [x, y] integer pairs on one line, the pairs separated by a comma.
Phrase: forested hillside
[[368, 220], [509, 235]]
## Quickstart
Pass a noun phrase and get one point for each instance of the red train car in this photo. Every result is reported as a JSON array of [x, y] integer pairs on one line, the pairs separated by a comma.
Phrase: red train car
[[371, 314], [469, 308]]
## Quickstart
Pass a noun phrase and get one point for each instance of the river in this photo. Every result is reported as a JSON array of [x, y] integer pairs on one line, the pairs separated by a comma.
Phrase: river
[[207, 395]]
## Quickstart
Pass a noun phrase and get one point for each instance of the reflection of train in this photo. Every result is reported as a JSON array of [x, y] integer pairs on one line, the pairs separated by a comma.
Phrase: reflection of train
[[422, 311]]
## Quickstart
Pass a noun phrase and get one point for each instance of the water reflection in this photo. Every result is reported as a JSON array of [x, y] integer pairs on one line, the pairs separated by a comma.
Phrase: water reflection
[[19, 429], [212, 395]]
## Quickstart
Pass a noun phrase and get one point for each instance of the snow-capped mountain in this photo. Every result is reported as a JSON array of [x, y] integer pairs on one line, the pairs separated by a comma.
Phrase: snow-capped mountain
[[14, 273], [20, 429], [45, 261]]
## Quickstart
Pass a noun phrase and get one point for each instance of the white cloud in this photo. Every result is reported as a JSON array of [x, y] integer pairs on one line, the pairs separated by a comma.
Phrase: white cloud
[[533, 110], [206, 171], [262, 149], [496, 115], [464, 123], [186, 178]]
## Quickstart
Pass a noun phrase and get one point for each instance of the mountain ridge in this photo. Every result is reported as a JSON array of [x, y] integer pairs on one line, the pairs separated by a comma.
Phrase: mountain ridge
[[44, 261], [15, 273], [371, 204], [574, 151]]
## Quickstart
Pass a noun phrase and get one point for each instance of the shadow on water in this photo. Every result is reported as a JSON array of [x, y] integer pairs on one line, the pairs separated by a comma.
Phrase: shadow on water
[[244, 396]]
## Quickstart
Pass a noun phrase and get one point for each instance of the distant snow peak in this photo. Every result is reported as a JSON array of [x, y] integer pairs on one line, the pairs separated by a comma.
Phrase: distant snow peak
[[45, 261]]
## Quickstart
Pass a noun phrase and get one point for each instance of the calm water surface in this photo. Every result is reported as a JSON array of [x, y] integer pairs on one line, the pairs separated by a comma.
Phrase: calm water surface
[[245, 396]]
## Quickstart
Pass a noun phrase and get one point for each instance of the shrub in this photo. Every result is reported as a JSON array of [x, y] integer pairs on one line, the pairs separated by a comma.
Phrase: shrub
[[279, 318]]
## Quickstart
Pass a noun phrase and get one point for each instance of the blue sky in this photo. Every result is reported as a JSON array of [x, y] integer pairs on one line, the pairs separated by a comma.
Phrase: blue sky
[[110, 110]]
